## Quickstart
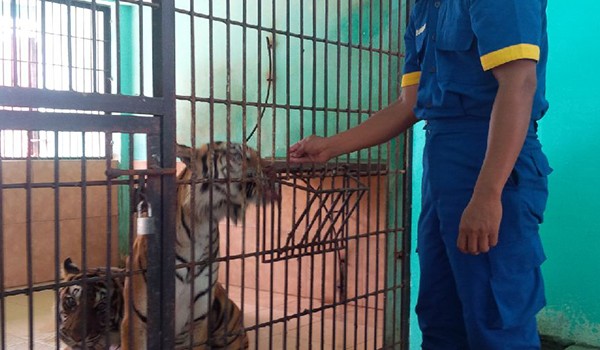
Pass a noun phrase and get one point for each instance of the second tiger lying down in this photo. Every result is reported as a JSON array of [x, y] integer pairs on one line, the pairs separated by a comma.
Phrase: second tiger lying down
[[239, 178]]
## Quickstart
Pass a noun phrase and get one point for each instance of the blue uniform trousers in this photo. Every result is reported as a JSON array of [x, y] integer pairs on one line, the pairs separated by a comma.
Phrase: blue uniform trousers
[[486, 301]]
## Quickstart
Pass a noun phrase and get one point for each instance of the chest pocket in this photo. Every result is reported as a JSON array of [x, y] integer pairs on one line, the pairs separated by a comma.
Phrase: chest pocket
[[456, 48], [454, 31]]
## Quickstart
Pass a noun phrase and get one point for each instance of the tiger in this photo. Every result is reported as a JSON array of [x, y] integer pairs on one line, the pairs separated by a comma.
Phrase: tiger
[[90, 324], [240, 177]]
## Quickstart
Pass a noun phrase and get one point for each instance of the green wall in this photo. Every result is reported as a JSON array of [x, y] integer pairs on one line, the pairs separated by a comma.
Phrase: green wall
[[323, 77], [569, 133]]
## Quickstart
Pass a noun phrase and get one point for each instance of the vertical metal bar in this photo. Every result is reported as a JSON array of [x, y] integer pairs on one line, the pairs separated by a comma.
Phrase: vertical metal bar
[[271, 75], [2, 287], [130, 272], [108, 49], [244, 141], [164, 86], [69, 46], [378, 198], [109, 231], [141, 45], [84, 224], [57, 262], [299, 288], [118, 47], [94, 66], [258, 148], [15, 54], [43, 34], [313, 87], [286, 287], [29, 238]]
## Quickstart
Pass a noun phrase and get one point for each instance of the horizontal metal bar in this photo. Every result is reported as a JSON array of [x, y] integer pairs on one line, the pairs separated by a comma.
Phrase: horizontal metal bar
[[26, 120], [141, 172], [231, 102], [42, 98], [287, 33], [23, 185]]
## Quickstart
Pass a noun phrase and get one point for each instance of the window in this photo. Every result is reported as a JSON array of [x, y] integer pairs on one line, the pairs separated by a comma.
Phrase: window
[[55, 46]]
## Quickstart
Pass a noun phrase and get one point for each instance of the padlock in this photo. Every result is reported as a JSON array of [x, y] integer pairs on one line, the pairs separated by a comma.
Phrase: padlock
[[145, 224]]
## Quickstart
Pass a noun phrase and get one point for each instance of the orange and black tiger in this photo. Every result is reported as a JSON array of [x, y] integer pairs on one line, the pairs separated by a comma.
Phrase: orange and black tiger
[[226, 178], [91, 309]]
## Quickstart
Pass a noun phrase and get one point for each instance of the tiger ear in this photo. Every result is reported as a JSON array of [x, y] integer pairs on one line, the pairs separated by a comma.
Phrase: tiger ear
[[184, 153], [69, 268]]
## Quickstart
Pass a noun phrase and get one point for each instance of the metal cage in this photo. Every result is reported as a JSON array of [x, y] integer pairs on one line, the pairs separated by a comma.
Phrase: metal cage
[[94, 96]]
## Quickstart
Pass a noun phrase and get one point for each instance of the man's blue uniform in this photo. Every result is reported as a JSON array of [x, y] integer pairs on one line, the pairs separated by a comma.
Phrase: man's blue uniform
[[486, 301]]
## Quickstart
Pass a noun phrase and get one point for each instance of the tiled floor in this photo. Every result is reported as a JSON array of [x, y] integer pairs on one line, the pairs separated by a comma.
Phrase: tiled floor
[[17, 322], [298, 332], [320, 330]]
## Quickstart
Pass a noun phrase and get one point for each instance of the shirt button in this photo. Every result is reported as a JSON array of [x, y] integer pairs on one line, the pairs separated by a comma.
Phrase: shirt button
[[432, 37], [436, 4], [432, 70]]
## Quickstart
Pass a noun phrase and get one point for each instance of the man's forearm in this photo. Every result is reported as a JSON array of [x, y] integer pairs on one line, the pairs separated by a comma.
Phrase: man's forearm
[[380, 127]]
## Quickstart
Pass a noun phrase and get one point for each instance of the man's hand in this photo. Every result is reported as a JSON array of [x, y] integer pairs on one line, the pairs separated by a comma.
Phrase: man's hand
[[479, 225], [311, 149]]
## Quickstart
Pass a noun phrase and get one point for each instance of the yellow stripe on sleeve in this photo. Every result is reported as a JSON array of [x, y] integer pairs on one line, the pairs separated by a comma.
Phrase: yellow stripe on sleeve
[[510, 53], [409, 79]]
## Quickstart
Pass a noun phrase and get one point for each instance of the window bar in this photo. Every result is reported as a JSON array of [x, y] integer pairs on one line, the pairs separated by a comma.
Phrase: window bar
[[69, 45], [94, 65], [43, 35], [140, 6], [108, 57], [15, 54]]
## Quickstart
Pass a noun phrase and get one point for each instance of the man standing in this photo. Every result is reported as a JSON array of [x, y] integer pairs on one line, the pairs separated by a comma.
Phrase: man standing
[[475, 72]]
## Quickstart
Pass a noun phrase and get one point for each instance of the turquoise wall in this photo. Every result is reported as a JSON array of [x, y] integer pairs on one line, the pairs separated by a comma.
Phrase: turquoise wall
[[569, 133], [571, 232]]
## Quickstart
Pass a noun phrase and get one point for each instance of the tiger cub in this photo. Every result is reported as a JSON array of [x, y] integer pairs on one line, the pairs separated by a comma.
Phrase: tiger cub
[[91, 311], [239, 177]]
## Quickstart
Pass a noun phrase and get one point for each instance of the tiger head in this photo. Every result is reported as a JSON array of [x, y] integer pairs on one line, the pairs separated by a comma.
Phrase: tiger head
[[238, 176], [86, 315]]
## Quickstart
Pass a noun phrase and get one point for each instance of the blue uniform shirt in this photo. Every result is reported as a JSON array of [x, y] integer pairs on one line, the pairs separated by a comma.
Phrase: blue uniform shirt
[[453, 45]]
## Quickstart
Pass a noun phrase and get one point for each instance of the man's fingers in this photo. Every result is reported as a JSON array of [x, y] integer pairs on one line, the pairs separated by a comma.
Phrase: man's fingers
[[484, 244], [462, 242]]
